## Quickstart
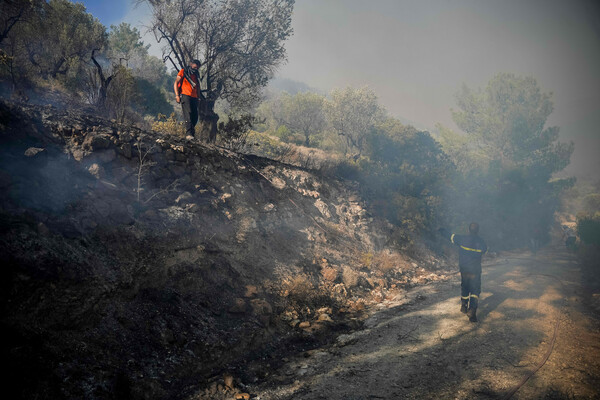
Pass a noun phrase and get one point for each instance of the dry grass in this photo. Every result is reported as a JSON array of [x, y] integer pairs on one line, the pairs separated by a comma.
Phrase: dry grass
[[168, 125], [350, 277], [329, 274], [298, 288]]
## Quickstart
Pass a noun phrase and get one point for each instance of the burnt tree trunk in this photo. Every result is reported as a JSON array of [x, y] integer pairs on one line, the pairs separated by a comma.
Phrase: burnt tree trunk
[[104, 83], [207, 120]]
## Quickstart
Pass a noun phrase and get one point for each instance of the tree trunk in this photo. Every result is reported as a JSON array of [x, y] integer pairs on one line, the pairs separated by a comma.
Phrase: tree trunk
[[207, 120]]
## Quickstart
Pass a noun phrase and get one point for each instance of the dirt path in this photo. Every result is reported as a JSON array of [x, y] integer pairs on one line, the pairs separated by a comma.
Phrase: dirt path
[[423, 347]]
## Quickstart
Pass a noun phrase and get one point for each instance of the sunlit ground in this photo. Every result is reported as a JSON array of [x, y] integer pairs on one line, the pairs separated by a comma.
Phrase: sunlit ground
[[428, 349]]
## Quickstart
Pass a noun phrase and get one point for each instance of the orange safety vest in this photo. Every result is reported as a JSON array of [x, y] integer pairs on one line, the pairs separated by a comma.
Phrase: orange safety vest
[[185, 86]]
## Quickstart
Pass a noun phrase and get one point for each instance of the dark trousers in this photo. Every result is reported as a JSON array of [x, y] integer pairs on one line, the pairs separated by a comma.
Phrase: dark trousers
[[470, 288], [189, 107]]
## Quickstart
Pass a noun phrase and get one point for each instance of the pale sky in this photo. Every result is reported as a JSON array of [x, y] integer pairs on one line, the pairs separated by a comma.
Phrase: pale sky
[[416, 54]]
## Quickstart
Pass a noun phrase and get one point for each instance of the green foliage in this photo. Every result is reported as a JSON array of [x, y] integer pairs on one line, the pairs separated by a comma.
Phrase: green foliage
[[402, 175], [591, 203], [124, 41], [465, 154], [266, 145], [352, 113], [15, 12], [588, 228], [401, 170], [239, 45], [508, 119], [53, 44], [59, 38], [125, 47], [150, 99], [505, 162], [120, 93], [283, 132], [303, 113]]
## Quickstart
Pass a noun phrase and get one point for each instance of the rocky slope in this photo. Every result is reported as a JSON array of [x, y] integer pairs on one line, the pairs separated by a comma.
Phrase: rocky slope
[[141, 266]]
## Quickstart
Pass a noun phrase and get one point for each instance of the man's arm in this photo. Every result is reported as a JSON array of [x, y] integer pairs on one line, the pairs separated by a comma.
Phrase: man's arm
[[445, 234], [176, 88], [453, 238]]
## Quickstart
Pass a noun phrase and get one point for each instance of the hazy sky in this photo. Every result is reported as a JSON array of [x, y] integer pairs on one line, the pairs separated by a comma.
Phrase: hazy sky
[[415, 54]]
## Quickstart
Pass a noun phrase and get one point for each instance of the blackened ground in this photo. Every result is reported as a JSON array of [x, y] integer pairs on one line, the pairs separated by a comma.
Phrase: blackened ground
[[141, 266]]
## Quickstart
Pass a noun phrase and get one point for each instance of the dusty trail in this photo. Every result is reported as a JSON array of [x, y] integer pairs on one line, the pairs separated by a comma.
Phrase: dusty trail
[[423, 347]]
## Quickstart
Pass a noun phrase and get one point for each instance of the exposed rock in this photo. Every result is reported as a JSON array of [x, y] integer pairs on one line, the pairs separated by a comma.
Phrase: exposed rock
[[239, 306], [329, 274], [193, 207], [269, 207], [145, 265], [228, 380], [322, 207], [97, 141], [97, 171], [183, 198], [261, 307], [250, 291], [37, 155], [35, 152], [324, 317]]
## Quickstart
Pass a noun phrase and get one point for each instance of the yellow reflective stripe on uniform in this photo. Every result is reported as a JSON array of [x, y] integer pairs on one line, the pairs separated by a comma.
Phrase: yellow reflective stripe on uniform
[[464, 297], [452, 238], [474, 295], [469, 249]]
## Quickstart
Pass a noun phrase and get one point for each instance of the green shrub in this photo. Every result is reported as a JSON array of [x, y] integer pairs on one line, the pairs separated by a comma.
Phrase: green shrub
[[591, 202], [588, 228]]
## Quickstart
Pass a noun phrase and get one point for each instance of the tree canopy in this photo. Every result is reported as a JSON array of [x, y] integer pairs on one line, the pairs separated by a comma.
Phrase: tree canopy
[[65, 34], [303, 113], [506, 160], [240, 43], [508, 120], [352, 114]]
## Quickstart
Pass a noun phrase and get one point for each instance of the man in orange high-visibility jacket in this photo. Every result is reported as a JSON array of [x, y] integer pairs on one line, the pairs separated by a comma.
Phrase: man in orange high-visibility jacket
[[471, 248], [186, 93]]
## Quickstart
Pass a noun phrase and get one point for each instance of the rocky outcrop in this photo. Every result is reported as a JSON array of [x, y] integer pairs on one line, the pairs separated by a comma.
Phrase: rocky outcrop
[[138, 265]]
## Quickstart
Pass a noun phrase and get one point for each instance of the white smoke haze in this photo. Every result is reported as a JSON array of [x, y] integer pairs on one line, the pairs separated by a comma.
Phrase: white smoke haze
[[416, 55]]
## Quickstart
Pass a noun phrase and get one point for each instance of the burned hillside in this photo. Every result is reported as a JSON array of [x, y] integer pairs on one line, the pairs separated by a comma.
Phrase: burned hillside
[[139, 265]]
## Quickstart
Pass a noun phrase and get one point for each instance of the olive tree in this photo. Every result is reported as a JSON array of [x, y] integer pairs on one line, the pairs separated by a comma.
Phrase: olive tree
[[14, 12], [303, 113], [352, 114], [240, 43], [62, 36]]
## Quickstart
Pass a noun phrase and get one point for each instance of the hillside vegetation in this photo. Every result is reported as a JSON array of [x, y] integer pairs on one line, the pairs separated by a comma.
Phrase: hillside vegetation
[[142, 265]]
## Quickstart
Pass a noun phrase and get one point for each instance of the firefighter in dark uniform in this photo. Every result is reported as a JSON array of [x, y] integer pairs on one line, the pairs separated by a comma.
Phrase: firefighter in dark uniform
[[470, 250]]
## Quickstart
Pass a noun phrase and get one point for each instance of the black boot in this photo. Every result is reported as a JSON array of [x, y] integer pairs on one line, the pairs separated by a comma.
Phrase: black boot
[[463, 305], [472, 314]]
